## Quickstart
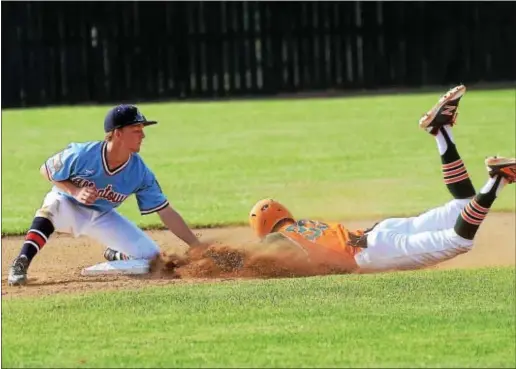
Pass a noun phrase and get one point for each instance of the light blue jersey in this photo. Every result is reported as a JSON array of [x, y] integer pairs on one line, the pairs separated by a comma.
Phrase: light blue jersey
[[85, 164]]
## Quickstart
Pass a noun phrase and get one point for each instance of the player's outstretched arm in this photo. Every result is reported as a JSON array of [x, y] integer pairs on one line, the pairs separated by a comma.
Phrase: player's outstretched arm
[[176, 224]]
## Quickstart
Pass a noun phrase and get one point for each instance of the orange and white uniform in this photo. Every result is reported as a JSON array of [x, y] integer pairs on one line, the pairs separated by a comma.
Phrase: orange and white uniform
[[392, 244]]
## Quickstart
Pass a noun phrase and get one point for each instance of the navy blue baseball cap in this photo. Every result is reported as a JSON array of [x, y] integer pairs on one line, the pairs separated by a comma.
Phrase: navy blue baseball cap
[[125, 115]]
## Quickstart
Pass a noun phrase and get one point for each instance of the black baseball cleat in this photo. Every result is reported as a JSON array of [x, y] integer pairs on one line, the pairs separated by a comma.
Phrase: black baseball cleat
[[113, 255], [444, 112], [18, 271], [499, 166]]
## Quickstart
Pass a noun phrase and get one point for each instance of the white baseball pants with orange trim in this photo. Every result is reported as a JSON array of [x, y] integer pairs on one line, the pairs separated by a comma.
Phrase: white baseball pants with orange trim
[[416, 242]]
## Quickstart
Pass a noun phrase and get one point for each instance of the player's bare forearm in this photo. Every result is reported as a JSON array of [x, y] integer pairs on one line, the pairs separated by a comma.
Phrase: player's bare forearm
[[66, 186], [85, 195], [176, 224]]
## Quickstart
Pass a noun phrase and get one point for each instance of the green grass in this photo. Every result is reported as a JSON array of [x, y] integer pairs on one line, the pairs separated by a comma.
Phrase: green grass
[[414, 319], [337, 158], [334, 159]]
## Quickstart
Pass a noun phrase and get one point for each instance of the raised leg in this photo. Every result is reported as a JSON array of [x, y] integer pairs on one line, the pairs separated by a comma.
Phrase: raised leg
[[439, 218], [501, 171], [389, 249], [439, 121]]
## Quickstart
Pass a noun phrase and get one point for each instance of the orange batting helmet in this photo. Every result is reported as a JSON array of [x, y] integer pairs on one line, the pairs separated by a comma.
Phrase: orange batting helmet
[[265, 214]]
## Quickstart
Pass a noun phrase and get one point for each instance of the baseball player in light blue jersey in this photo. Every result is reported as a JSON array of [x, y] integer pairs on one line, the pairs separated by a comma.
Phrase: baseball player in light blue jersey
[[90, 180]]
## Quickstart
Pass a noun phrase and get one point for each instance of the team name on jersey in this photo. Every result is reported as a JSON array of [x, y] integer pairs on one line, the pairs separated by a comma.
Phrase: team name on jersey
[[106, 193]]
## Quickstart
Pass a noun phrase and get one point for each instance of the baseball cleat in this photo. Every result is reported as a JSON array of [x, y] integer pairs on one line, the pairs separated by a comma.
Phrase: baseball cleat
[[444, 112], [499, 166], [18, 271], [113, 255]]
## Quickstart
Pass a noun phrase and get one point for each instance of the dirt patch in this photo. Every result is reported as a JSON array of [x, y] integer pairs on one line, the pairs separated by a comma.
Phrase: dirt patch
[[249, 261], [57, 268]]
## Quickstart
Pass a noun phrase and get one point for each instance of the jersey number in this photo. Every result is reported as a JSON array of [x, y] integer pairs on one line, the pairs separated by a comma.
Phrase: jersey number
[[309, 229]]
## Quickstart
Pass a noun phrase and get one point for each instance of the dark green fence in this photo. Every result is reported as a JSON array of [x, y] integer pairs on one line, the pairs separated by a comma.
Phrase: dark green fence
[[80, 52]]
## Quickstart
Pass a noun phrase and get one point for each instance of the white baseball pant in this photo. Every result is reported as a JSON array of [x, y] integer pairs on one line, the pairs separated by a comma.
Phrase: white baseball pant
[[416, 242], [108, 228]]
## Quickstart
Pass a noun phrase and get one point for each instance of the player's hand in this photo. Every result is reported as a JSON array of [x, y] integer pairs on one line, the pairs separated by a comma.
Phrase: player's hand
[[197, 251], [86, 195]]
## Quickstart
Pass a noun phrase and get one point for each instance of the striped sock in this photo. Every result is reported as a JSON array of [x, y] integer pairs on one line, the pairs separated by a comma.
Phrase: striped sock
[[455, 175], [476, 210], [36, 237]]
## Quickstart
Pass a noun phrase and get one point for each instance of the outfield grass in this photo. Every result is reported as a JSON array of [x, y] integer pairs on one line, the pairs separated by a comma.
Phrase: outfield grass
[[337, 158], [413, 319]]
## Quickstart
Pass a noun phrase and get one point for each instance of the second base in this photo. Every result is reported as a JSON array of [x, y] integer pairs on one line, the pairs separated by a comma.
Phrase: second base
[[121, 267]]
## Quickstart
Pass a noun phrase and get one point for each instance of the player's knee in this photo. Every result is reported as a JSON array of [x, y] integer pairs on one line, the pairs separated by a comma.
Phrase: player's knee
[[49, 209], [460, 203], [460, 243], [146, 249]]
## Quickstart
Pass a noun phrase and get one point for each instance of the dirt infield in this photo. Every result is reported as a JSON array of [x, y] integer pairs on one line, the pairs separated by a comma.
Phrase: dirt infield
[[57, 268]]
